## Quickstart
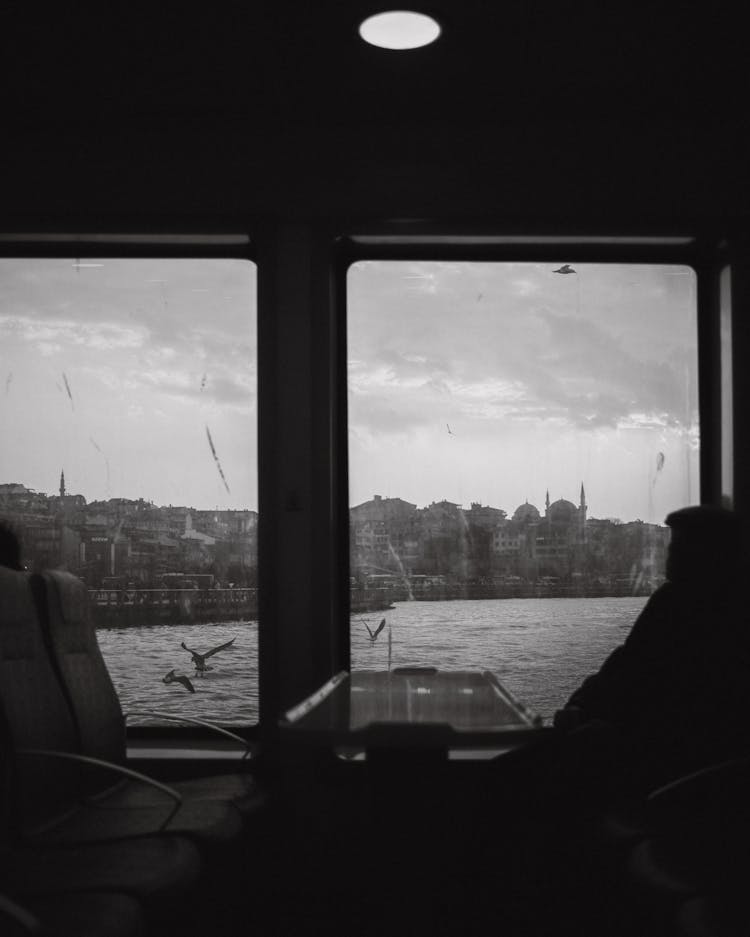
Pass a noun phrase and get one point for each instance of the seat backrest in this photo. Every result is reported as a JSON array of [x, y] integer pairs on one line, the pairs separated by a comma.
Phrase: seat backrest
[[33, 710], [78, 659]]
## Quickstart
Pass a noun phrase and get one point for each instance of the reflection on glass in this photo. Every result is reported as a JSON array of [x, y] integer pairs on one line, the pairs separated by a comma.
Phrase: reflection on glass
[[517, 434], [129, 458]]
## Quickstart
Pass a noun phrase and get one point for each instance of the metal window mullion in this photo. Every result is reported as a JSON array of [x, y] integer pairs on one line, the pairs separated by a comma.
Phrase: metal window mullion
[[740, 303], [709, 380]]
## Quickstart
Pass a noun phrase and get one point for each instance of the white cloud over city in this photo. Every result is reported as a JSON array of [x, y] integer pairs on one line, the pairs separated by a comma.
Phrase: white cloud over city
[[545, 380], [113, 369]]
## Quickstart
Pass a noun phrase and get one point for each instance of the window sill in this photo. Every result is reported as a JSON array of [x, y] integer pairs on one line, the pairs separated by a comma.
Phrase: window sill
[[178, 750]]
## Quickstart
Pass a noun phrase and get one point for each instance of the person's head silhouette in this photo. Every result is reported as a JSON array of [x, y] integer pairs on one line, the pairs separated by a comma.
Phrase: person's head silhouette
[[10, 548], [705, 549]]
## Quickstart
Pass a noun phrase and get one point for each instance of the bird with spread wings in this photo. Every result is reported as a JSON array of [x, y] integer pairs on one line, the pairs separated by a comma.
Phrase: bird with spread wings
[[185, 681], [199, 660], [374, 634]]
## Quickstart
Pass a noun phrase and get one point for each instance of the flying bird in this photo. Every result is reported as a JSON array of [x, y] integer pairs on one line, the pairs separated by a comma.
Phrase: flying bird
[[199, 660], [450, 431], [216, 459], [185, 681], [203, 381], [566, 268], [374, 634]]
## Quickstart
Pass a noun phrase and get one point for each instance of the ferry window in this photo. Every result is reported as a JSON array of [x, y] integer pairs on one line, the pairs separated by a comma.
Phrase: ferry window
[[129, 458], [518, 433]]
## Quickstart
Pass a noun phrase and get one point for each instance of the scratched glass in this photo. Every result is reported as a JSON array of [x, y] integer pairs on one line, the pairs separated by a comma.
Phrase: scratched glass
[[129, 458], [518, 432]]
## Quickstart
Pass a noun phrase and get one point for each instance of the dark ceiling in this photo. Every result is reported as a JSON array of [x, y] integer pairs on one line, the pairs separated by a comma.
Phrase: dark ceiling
[[511, 91], [280, 61]]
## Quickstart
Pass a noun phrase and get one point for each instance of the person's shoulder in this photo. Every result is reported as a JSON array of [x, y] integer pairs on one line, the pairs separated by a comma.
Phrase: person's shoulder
[[662, 597], [657, 611]]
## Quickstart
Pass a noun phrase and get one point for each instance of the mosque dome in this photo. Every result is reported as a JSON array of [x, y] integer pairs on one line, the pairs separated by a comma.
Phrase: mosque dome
[[525, 513], [562, 511]]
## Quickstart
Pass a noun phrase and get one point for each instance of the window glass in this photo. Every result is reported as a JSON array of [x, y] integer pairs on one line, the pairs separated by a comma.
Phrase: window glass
[[129, 459], [518, 433]]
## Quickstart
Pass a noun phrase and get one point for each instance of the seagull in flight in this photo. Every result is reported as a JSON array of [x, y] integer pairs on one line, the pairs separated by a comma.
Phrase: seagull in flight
[[374, 634], [185, 681], [199, 660], [566, 268]]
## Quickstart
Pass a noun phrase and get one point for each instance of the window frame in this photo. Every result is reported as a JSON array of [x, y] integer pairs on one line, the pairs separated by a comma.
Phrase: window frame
[[179, 245], [302, 350], [417, 241]]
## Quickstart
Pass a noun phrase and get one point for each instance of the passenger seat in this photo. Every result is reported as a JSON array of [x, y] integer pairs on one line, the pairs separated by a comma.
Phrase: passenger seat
[[46, 763], [63, 603]]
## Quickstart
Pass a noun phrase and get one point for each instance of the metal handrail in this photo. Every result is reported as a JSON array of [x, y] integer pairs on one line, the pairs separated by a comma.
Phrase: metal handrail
[[193, 721], [111, 766]]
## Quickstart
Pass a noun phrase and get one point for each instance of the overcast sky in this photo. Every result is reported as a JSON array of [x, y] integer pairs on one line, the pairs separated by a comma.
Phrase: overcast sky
[[546, 380], [153, 352]]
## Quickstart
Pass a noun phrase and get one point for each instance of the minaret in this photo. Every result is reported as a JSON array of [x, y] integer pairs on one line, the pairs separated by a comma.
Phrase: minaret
[[582, 510], [546, 503], [62, 484]]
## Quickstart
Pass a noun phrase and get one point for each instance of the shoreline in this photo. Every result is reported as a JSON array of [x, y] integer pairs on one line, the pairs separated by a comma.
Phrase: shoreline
[[132, 608], [381, 601], [111, 608]]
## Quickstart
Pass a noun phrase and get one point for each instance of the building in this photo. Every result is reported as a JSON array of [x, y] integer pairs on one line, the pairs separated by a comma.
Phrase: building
[[561, 538]]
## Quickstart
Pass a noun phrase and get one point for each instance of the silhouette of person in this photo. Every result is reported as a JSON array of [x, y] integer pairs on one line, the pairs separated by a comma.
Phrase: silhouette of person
[[675, 696], [10, 548]]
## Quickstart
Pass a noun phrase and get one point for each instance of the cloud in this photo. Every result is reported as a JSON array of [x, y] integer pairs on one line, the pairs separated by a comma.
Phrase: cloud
[[523, 287], [601, 383], [236, 389], [47, 349], [98, 336], [531, 350], [165, 301]]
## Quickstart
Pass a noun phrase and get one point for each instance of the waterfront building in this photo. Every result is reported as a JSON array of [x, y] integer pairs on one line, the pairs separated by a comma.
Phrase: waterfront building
[[484, 516], [561, 538], [137, 540], [385, 535], [18, 499]]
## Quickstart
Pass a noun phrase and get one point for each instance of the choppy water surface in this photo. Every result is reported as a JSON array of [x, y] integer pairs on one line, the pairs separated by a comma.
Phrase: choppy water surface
[[138, 659], [540, 649]]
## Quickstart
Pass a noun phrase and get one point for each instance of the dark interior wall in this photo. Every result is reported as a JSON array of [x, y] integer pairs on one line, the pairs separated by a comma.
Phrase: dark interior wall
[[561, 173], [522, 113]]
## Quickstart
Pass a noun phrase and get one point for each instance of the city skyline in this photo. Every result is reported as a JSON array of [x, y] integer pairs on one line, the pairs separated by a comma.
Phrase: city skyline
[[509, 509]]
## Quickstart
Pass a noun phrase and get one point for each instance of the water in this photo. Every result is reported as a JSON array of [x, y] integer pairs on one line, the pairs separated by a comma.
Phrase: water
[[138, 659], [540, 649]]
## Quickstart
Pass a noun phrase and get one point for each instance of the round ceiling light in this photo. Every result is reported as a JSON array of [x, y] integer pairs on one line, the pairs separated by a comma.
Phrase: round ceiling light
[[399, 29]]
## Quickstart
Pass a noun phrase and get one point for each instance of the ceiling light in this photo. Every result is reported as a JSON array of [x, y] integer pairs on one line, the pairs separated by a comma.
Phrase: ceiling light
[[399, 29]]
